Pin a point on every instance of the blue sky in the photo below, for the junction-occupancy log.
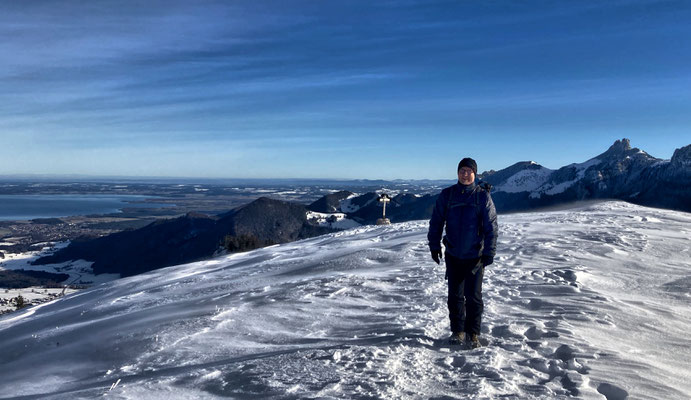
(336, 89)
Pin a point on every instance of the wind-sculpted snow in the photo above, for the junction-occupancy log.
(590, 302)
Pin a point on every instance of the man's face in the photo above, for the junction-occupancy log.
(466, 176)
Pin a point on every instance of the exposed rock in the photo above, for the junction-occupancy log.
(682, 159)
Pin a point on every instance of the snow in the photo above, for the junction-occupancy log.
(331, 220)
(590, 303)
(31, 295)
(289, 192)
(553, 189)
(347, 206)
(79, 271)
(526, 180)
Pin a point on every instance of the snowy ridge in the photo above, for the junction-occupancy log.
(347, 206)
(621, 172)
(585, 302)
(555, 188)
(525, 180)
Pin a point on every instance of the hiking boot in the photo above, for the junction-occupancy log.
(457, 338)
(474, 341)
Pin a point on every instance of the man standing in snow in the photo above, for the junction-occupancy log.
(467, 211)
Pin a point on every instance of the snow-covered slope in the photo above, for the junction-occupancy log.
(331, 220)
(590, 302)
(525, 180)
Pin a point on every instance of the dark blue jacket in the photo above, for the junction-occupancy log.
(471, 222)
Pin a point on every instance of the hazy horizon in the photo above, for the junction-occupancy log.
(200, 178)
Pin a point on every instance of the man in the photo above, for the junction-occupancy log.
(468, 212)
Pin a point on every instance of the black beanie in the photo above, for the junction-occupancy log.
(468, 162)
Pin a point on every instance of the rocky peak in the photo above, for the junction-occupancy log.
(682, 157)
(621, 151)
(618, 149)
(621, 145)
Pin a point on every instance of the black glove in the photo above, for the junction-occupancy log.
(487, 260)
(436, 255)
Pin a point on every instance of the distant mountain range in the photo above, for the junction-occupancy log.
(621, 172)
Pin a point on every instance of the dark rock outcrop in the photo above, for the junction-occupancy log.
(666, 184)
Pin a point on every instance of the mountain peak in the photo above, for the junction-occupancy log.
(618, 150)
(496, 178)
(620, 146)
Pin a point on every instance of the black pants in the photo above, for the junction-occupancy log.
(465, 294)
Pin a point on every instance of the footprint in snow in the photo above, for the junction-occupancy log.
(612, 392)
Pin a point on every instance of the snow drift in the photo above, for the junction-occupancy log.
(590, 302)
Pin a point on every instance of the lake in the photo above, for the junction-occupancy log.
(26, 207)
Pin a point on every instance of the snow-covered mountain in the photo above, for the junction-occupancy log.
(590, 302)
(520, 177)
(621, 172)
